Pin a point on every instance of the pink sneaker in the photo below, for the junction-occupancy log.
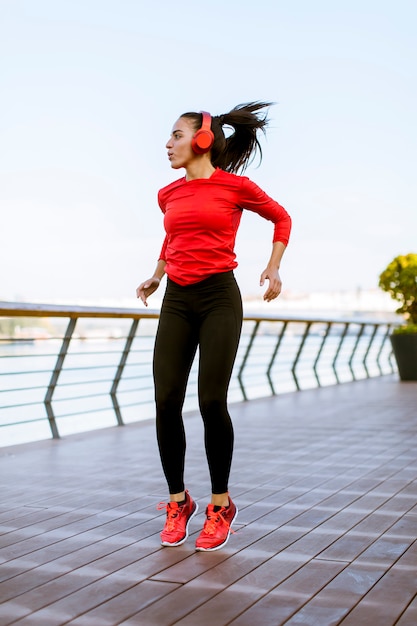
(217, 527)
(178, 517)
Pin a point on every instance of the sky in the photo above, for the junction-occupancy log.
(90, 90)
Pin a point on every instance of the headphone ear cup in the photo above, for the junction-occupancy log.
(204, 138)
(202, 141)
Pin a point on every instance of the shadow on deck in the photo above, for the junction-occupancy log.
(326, 484)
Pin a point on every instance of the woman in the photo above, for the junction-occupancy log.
(202, 304)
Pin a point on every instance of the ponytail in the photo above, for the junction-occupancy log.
(237, 151)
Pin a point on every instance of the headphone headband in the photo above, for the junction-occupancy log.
(206, 121)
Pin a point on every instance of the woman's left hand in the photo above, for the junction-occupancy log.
(275, 284)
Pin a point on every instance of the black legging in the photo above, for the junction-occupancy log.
(207, 314)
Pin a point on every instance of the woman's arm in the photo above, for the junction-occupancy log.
(255, 199)
(272, 272)
(149, 286)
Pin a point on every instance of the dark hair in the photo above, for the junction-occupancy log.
(238, 150)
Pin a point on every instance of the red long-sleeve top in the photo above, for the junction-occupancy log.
(201, 218)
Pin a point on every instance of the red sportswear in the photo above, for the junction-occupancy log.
(201, 218)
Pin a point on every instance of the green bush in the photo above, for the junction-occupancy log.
(399, 279)
(410, 329)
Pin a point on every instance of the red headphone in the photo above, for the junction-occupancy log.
(203, 139)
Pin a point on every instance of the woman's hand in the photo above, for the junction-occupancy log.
(275, 284)
(147, 288)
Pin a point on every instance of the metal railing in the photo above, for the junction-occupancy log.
(69, 369)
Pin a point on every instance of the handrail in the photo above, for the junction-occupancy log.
(13, 309)
(113, 380)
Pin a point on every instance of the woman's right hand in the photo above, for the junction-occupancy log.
(147, 288)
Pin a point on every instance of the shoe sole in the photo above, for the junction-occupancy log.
(179, 543)
(198, 549)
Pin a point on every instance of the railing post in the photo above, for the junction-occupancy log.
(297, 356)
(339, 347)
(368, 350)
(352, 356)
(378, 358)
(245, 358)
(119, 371)
(55, 375)
(274, 354)
(316, 361)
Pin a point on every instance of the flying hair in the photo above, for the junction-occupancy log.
(236, 151)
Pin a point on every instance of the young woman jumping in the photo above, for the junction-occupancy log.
(202, 305)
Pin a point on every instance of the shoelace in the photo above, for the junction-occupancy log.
(172, 513)
(213, 520)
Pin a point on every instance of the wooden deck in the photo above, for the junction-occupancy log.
(326, 484)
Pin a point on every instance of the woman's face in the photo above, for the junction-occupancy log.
(179, 148)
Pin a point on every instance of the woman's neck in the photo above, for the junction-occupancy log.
(199, 169)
